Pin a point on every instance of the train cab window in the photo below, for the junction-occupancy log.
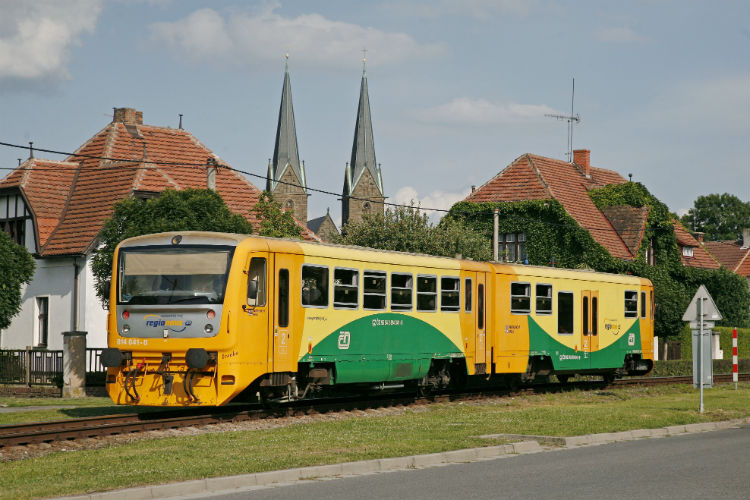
(373, 296)
(426, 293)
(345, 288)
(543, 298)
(643, 304)
(314, 286)
(256, 282)
(631, 304)
(283, 298)
(402, 288)
(467, 295)
(450, 294)
(520, 298)
(564, 313)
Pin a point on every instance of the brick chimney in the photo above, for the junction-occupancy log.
(699, 236)
(582, 158)
(128, 116)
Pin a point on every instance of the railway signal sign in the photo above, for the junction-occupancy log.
(702, 313)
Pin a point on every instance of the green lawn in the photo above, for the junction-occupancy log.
(438, 428)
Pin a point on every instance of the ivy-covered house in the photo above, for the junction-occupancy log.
(575, 215)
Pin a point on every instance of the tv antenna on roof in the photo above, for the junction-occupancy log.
(571, 119)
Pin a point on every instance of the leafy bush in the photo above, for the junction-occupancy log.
(16, 269)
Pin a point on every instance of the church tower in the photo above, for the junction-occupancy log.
(286, 175)
(363, 183)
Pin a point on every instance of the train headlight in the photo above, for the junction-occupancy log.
(125, 328)
(211, 314)
(209, 328)
(125, 314)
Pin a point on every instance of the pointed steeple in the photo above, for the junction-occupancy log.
(285, 152)
(363, 149)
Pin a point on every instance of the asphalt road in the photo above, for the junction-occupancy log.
(707, 465)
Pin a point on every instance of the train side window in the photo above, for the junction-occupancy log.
(643, 304)
(543, 298)
(283, 298)
(595, 316)
(256, 282)
(586, 326)
(631, 304)
(402, 288)
(520, 298)
(564, 313)
(480, 306)
(426, 293)
(450, 294)
(314, 286)
(345, 288)
(373, 296)
(467, 295)
(651, 295)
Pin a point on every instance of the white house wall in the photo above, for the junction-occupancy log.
(54, 278)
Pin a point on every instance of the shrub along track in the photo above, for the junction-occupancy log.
(96, 428)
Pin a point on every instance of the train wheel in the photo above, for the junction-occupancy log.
(608, 378)
(563, 379)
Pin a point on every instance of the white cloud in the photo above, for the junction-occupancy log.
(483, 10)
(36, 37)
(619, 34)
(440, 200)
(468, 111)
(262, 36)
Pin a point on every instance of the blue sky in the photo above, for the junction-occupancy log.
(458, 90)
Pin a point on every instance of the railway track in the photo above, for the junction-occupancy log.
(94, 427)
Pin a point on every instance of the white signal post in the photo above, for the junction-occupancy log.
(735, 373)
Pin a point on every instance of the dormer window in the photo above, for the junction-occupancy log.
(687, 251)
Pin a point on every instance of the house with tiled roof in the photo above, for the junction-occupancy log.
(618, 229)
(57, 208)
(733, 255)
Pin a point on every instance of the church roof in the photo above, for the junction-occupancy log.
(285, 151)
(363, 148)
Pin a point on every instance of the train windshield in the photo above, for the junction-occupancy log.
(169, 275)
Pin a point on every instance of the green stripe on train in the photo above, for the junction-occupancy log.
(382, 347)
(565, 358)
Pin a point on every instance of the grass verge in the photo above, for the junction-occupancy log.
(439, 428)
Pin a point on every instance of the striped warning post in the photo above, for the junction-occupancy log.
(735, 374)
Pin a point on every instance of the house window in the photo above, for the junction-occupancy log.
(543, 299)
(520, 298)
(374, 290)
(401, 292)
(366, 207)
(42, 309)
(687, 251)
(345, 288)
(450, 294)
(289, 205)
(16, 229)
(512, 247)
(314, 286)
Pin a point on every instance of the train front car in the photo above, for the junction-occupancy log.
(168, 322)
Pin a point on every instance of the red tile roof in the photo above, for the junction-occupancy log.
(701, 258)
(533, 177)
(731, 255)
(72, 203)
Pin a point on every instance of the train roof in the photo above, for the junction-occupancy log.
(364, 254)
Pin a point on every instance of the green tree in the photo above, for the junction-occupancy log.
(719, 216)
(16, 269)
(407, 229)
(273, 220)
(188, 210)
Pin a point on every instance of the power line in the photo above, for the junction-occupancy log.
(143, 164)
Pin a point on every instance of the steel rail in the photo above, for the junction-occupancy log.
(93, 427)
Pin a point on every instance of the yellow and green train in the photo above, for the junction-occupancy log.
(199, 318)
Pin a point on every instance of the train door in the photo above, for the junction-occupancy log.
(255, 322)
(590, 321)
(282, 358)
(480, 326)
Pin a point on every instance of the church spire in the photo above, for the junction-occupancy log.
(285, 152)
(363, 149)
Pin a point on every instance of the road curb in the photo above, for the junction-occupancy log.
(531, 444)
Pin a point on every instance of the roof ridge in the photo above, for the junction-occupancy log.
(538, 174)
